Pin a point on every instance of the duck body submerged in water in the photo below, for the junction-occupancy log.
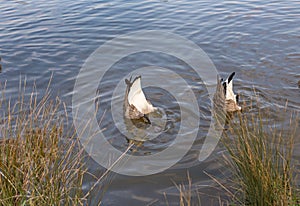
(225, 94)
(135, 103)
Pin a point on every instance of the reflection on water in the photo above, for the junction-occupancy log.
(259, 40)
(140, 130)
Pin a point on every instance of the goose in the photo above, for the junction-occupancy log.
(231, 99)
(135, 103)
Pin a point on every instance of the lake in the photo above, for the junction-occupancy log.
(259, 40)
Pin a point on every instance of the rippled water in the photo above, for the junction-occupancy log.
(259, 40)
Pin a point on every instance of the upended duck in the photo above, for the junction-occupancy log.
(135, 103)
(225, 94)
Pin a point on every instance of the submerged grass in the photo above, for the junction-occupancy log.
(260, 157)
(40, 161)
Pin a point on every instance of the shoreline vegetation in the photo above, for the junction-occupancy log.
(42, 162)
(259, 154)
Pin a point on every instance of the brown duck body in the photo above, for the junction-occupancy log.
(231, 106)
(224, 96)
(135, 104)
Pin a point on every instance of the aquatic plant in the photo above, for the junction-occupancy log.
(41, 162)
(260, 158)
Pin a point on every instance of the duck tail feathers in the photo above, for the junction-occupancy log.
(230, 77)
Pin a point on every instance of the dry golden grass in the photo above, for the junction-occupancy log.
(260, 157)
(40, 161)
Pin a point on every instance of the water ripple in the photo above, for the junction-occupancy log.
(257, 39)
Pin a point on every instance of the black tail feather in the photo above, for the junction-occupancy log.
(231, 77)
(225, 87)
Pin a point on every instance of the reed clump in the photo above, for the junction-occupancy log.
(260, 158)
(40, 161)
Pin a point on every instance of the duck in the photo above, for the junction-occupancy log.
(231, 99)
(225, 99)
(135, 103)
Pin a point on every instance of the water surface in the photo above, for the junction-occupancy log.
(258, 40)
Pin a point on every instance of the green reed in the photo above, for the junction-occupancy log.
(260, 157)
(41, 162)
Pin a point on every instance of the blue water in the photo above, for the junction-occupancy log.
(259, 40)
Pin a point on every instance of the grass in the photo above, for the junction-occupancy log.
(260, 158)
(41, 162)
(185, 192)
